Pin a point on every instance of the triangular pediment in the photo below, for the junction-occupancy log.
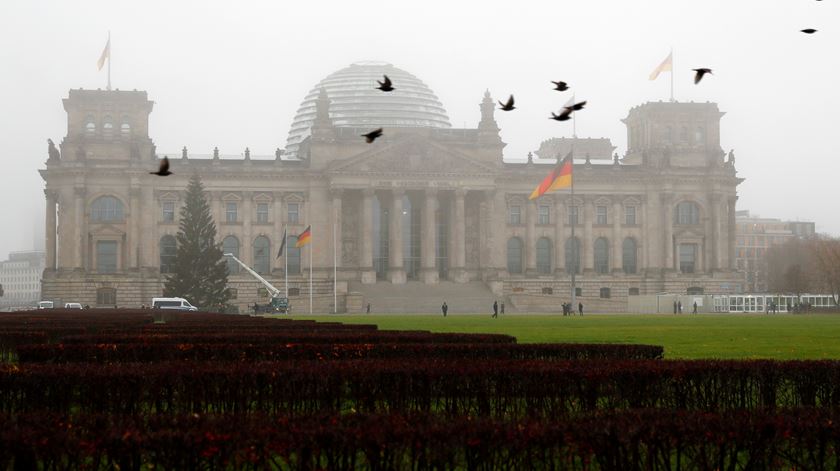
(107, 230)
(413, 155)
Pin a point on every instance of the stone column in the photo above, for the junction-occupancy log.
(459, 274)
(488, 228)
(247, 230)
(50, 227)
(335, 227)
(643, 244)
(668, 225)
(396, 271)
(133, 242)
(148, 226)
(617, 251)
(588, 253)
(368, 274)
(79, 236)
(531, 238)
(559, 236)
(731, 232)
(428, 270)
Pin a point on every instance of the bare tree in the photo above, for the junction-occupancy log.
(826, 252)
(791, 268)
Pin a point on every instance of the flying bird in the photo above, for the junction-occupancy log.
(371, 136)
(809, 31)
(508, 106)
(164, 168)
(564, 116)
(560, 86)
(386, 85)
(576, 106)
(699, 73)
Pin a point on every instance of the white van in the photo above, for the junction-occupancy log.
(45, 305)
(72, 305)
(177, 304)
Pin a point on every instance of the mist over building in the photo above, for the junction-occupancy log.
(428, 211)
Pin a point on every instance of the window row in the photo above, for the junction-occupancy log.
(111, 209)
(545, 258)
(108, 124)
(230, 244)
(544, 215)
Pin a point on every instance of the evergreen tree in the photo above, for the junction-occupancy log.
(200, 272)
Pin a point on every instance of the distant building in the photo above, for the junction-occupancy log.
(425, 204)
(20, 276)
(755, 235)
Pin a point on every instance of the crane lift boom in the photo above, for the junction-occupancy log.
(278, 303)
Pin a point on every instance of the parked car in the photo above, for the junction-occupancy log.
(177, 304)
(72, 306)
(45, 305)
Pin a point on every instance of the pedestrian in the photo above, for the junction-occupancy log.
(368, 308)
(675, 307)
(444, 308)
(695, 308)
(679, 307)
(256, 308)
(503, 307)
(495, 309)
(580, 308)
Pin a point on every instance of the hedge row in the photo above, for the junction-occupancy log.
(650, 440)
(501, 388)
(218, 352)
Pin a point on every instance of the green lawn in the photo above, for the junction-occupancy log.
(684, 336)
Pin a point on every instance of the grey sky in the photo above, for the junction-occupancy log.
(232, 74)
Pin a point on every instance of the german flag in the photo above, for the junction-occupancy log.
(559, 178)
(304, 238)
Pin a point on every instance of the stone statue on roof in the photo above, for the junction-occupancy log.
(731, 160)
(52, 151)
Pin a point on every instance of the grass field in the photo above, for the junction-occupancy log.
(684, 336)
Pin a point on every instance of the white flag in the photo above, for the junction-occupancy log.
(665, 66)
(106, 54)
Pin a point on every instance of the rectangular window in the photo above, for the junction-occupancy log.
(515, 215)
(543, 212)
(168, 211)
(633, 292)
(547, 290)
(294, 212)
(234, 293)
(573, 215)
(106, 297)
(578, 291)
(688, 255)
(230, 212)
(262, 212)
(630, 215)
(605, 293)
(106, 256)
(600, 215)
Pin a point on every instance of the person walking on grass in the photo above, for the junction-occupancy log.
(444, 308)
(495, 309)
(695, 308)
(580, 308)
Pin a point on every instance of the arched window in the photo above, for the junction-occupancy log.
(687, 213)
(262, 255)
(106, 209)
(125, 128)
(107, 126)
(544, 255)
(514, 255)
(90, 125)
(230, 244)
(669, 134)
(684, 134)
(572, 255)
(628, 255)
(167, 254)
(293, 263)
(602, 255)
(699, 136)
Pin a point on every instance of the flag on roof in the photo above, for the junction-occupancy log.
(106, 54)
(665, 66)
(559, 178)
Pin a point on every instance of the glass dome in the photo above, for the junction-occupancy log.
(355, 102)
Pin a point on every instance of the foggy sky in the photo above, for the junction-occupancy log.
(232, 74)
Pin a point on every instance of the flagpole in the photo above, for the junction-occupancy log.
(310, 276)
(672, 75)
(286, 261)
(335, 273)
(575, 247)
(574, 121)
(109, 63)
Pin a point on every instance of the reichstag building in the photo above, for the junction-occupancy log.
(427, 205)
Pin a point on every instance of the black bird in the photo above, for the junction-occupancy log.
(508, 106)
(564, 116)
(698, 76)
(560, 86)
(164, 168)
(809, 31)
(371, 136)
(576, 106)
(386, 85)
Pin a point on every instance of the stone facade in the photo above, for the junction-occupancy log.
(662, 218)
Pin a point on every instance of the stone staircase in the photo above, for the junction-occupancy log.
(418, 298)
